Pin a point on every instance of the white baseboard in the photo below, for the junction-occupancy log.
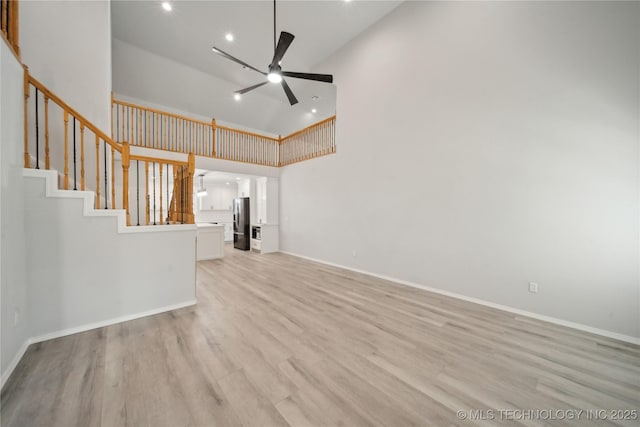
(109, 322)
(84, 328)
(561, 322)
(14, 362)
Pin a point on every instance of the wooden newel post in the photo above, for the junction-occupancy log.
(213, 137)
(279, 161)
(126, 160)
(191, 170)
(27, 161)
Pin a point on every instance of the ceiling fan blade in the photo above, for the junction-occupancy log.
(327, 78)
(290, 95)
(245, 90)
(281, 49)
(226, 55)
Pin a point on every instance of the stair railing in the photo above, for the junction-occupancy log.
(66, 136)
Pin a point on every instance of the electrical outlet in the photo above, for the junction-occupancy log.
(354, 253)
(533, 287)
(16, 317)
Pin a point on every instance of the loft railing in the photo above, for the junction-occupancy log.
(9, 23)
(151, 128)
(247, 147)
(313, 141)
(57, 137)
(160, 130)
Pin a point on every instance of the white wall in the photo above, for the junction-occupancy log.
(13, 272)
(67, 46)
(83, 271)
(481, 146)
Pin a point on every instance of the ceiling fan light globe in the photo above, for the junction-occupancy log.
(274, 77)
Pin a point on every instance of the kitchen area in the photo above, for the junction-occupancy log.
(235, 209)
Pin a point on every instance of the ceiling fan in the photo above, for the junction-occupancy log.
(275, 73)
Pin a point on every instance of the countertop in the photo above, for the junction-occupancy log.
(208, 225)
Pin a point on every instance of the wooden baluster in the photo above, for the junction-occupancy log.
(132, 133)
(146, 197)
(4, 27)
(27, 161)
(333, 136)
(66, 150)
(82, 181)
(140, 140)
(47, 158)
(213, 137)
(113, 177)
(111, 114)
(164, 133)
(11, 27)
(161, 167)
(158, 144)
(97, 172)
(124, 115)
(147, 127)
(125, 180)
(173, 133)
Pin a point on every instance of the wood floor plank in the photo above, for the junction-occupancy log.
(251, 407)
(277, 340)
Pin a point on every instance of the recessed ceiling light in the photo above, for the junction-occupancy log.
(315, 97)
(227, 183)
(237, 96)
(237, 179)
(313, 110)
(229, 37)
(166, 6)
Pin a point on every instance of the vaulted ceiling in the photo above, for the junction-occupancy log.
(187, 32)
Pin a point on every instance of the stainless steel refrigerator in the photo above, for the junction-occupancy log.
(241, 224)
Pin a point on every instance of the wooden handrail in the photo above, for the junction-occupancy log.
(296, 133)
(66, 107)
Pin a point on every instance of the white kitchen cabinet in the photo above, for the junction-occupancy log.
(209, 242)
(228, 232)
(264, 238)
(218, 197)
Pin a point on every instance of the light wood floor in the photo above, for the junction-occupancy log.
(276, 341)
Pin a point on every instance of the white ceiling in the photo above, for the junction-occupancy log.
(187, 33)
